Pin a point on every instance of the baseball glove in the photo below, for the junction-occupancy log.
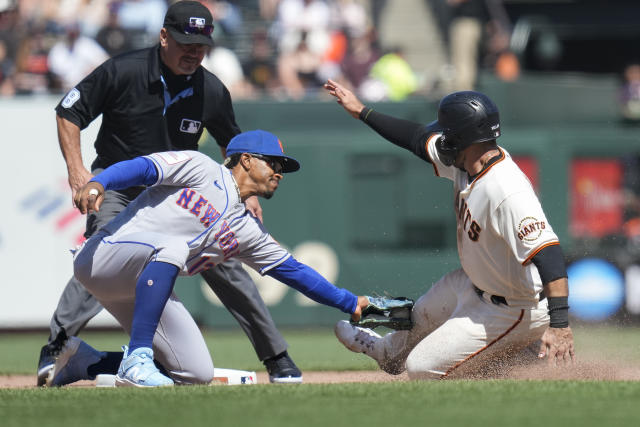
(392, 313)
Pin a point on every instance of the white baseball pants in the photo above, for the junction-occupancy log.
(459, 333)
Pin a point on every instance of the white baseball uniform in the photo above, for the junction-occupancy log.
(199, 201)
(458, 329)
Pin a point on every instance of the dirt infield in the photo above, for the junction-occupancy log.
(585, 370)
(310, 377)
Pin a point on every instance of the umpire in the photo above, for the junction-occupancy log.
(153, 100)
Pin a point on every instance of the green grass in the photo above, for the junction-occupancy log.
(494, 403)
(441, 403)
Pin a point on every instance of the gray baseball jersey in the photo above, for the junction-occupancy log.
(199, 199)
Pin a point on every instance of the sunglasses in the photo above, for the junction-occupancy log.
(205, 30)
(275, 164)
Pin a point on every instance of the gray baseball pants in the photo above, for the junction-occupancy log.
(229, 281)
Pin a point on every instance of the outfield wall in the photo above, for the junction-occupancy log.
(366, 214)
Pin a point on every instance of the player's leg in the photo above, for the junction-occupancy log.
(235, 289)
(477, 340)
(125, 282)
(178, 344)
(76, 305)
(430, 311)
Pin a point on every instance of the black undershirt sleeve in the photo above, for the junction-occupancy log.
(403, 133)
(550, 264)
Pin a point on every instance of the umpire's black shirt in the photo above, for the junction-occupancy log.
(146, 109)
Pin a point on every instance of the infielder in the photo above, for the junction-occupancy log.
(153, 100)
(191, 218)
(512, 288)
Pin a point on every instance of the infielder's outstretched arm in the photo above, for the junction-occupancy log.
(308, 281)
(69, 140)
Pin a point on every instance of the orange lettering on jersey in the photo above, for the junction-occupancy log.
(474, 231)
(465, 218)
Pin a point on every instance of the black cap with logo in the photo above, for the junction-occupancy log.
(189, 22)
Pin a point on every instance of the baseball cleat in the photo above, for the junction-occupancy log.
(356, 339)
(282, 370)
(48, 354)
(72, 363)
(138, 370)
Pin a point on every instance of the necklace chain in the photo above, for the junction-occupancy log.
(235, 184)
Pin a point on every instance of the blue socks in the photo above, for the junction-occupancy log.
(153, 289)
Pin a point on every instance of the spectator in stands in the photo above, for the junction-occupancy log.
(7, 68)
(362, 53)
(32, 72)
(142, 18)
(396, 74)
(74, 57)
(260, 67)
(302, 23)
(630, 94)
(461, 23)
(112, 37)
(225, 65)
(298, 70)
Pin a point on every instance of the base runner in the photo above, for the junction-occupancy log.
(512, 288)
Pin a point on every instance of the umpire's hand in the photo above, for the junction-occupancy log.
(89, 198)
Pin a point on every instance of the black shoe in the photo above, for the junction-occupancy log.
(282, 370)
(48, 355)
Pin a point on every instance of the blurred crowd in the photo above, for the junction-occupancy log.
(278, 48)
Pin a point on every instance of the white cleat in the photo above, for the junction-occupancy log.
(364, 340)
(138, 370)
(356, 339)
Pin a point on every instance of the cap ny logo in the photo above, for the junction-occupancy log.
(190, 126)
(197, 22)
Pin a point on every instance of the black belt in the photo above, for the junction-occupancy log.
(497, 299)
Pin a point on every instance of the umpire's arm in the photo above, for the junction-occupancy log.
(69, 140)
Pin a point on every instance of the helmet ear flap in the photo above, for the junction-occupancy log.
(447, 151)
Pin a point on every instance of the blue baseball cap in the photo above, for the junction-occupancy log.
(264, 143)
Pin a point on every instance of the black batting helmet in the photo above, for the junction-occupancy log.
(465, 118)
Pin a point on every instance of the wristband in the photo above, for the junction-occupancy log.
(365, 113)
(558, 312)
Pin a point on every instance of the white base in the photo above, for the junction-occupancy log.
(221, 376)
(233, 377)
(105, 380)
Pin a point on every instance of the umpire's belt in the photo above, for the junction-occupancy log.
(497, 299)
